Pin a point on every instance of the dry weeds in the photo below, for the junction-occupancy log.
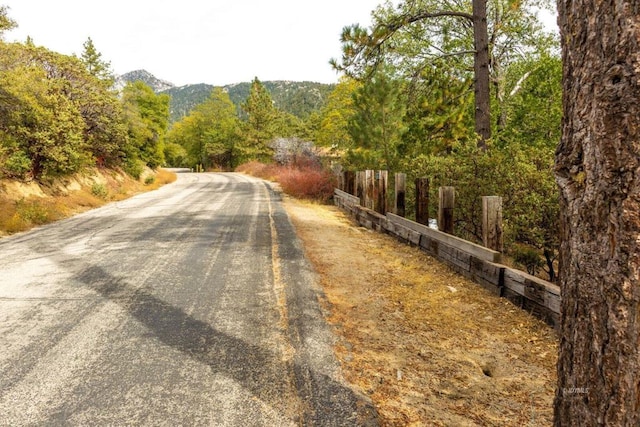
(428, 346)
(26, 205)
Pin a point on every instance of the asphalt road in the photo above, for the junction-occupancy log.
(190, 305)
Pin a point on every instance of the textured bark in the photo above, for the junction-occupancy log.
(598, 171)
(481, 72)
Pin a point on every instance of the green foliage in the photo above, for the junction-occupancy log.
(533, 108)
(439, 112)
(134, 167)
(522, 176)
(56, 117)
(377, 126)
(32, 212)
(6, 23)
(147, 116)
(209, 135)
(300, 99)
(527, 257)
(333, 129)
(17, 165)
(260, 127)
(175, 154)
(45, 124)
(96, 66)
(100, 190)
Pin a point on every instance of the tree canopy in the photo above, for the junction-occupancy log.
(58, 115)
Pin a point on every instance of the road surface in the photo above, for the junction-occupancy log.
(190, 305)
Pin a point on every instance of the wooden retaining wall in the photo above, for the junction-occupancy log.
(480, 264)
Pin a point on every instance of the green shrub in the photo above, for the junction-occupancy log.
(134, 167)
(32, 212)
(527, 257)
(149, 180)
(17, 165)
(99, 190)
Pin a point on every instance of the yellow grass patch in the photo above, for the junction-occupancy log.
(427, 345)
(26, 205)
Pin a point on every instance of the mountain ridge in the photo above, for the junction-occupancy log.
(294, 97)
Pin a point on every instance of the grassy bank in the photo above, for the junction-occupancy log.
(24, 205)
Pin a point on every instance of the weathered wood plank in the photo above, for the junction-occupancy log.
(400, 184)
(488, 274)
(492, 236)
(346, 198)
(422, 200)
(446, 207)
(461, 244)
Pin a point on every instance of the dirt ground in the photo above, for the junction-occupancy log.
(427, 345)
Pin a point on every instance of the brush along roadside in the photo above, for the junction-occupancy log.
(24, 205)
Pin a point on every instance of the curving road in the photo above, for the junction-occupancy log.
(190, 305)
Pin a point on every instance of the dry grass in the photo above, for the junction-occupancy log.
(21, 211)
(428, 346)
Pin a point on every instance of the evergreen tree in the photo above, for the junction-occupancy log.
(377, 124)
(97, 67)
(260, 127)
(335, 116)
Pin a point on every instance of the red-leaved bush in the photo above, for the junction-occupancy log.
(302, 182)
(307, 183)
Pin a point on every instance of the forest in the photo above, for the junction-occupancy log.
(407, 102)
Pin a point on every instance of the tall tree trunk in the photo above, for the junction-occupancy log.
(598, 171)
(481, 72)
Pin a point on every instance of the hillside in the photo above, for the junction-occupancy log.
(297, 98)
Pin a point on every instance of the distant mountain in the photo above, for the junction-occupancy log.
(146, 77)
(297, 98)
(184, 98)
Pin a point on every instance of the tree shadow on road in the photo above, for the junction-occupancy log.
(327, 402)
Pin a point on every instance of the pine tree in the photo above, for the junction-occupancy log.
(260, 128)
(92, 59)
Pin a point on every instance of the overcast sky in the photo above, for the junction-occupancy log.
(197, 41)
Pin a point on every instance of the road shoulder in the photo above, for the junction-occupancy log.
(428, 346)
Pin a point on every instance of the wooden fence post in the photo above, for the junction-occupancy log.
(422, 201)
(360, 186)
(400, 193)
(445, 209)
(492, 223)
(383, 182)
(369, 189)
(349, 185)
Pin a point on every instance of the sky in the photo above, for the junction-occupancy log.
(197, 41)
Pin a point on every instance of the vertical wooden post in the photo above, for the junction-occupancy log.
(341, 180)
(349, 186)
(400, 190)
(492, 223)
(369, 189)
(445, 209)
(422, 201)
(376, 191)
(383, 182)
(360, 186)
